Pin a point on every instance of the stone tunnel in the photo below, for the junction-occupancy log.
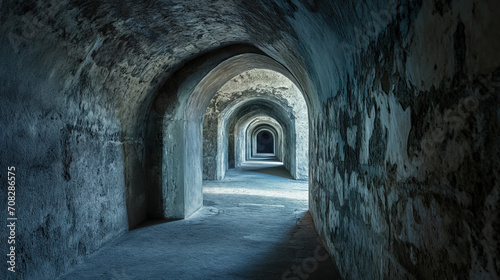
(124, 120)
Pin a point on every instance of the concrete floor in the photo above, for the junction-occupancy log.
(254, 225)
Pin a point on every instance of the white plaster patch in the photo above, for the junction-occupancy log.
(364, 152)
(346, 185)
(397, 124)
(351, 136)
(339, 187)
(354, 182)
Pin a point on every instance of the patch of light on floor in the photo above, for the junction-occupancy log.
(261, 162)
(262, 205)
(297, 194)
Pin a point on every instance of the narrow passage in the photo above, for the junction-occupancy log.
(254, 225)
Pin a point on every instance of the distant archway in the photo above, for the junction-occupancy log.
(265, 142)
(264, 138)
(257, 91)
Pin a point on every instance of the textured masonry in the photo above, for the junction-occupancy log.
(102, 102)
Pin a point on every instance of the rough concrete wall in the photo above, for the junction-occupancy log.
(76, 83)
(64, 141)
(404, 107)
(211, 130)
(69, 159)
(404, 151)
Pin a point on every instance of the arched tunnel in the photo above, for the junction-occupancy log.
(265, 142)
(280, 139)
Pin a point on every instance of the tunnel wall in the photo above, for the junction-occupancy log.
(404, 155)
(65, 143)
(77, 82)
(403, 100)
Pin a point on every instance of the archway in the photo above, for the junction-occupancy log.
(258, 91)
(243, 137)
(266, 145)
(265, 142)
(176, 176)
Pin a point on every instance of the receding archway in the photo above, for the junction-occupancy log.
(265, 142)
(245, 128)
(278, 97)
(176, 175)
(266, 146)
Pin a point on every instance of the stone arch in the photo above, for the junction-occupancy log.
(243, 139)
(256, 85)
(264, 139)
(272, 126)
(176, 156)
(228, 141)
(245, 115)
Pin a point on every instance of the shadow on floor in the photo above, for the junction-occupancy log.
(252, 227)
(302, 256)
(153, 222)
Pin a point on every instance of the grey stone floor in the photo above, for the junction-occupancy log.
(254, 225)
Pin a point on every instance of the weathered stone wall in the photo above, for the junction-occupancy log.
(64, 141)
(403, 103)
(404, 152)
(77, 80)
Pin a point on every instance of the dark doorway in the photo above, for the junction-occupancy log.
(265, 142)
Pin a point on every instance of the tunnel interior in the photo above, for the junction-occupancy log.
(265, 142)
(247, 101)
(116, 113)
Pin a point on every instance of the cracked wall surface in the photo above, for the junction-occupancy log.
(410, 188)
